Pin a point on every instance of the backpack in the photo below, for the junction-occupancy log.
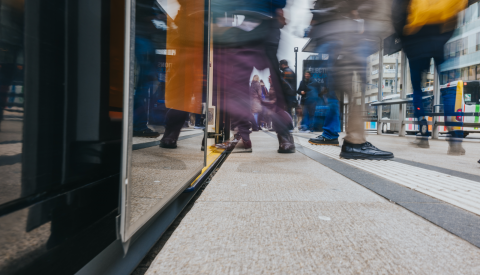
(431, 12)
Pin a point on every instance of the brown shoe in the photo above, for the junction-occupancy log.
(246, 148)
(228, 146)
(285, 143)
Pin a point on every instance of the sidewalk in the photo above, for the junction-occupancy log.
(270, 213)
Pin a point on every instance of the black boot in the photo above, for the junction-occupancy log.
(321, 140)
(363, 151)
(286, 143)
(169, 139)
(146, 133)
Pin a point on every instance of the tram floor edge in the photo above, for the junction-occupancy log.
(112, 259)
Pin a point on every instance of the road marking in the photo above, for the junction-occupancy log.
(454, 190)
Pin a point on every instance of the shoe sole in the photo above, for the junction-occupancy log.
(286, 151)
(242, 151)
(168, 147)
(427, 146)
(328, 144)
(362, 156)
(146, 136)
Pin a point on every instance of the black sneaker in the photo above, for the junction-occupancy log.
(321, 140)
(363, 151)
(147, 133)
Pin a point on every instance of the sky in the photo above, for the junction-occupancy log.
(298, 17)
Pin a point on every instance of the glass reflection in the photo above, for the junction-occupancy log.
(169, 88)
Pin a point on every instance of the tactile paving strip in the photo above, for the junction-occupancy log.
(454, 190)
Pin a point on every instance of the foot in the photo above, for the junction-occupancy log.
(247, 147)
(321, 140)
(421, 142)
(455, 149)
(363, 151)
(286, 144)
(147, 133)
(168, 143)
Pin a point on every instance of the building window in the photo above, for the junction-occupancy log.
(458, 47)
(478, 39)
(472, 72)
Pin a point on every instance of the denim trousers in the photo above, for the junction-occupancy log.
(331, 126)
(308, 119)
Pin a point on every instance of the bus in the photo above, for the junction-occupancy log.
(467, 100)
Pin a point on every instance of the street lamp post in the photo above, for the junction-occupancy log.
(296, 51)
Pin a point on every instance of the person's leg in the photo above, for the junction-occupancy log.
(281, 119)
(174, 121)
(198, 120)
(417, 66)
(305, 121)
(332, 121)
(239, 64)
(254, 121)
(311, 115)
(331, 127)
(353, 60)
(143, 53)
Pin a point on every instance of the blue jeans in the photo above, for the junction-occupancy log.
(449, 96)
(144, 53)
(417, 66)
(255, 115)
(331, 127)
(308, 119)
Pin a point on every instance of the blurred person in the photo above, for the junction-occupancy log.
(308, 105)
(424, 28)
(264, 115)
(144, 54)
(331, 125)
(199, 121)
(270, 101)
(254, 43)
(289, 77)
(256, 96)
(184, 83)
(346, 31)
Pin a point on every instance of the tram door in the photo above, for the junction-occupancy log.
(165, 95)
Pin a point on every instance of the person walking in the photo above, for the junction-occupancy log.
(245, 48)
(424, 28)
(288, 75)
(345, 32)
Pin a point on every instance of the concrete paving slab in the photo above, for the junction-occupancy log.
(311, 220)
